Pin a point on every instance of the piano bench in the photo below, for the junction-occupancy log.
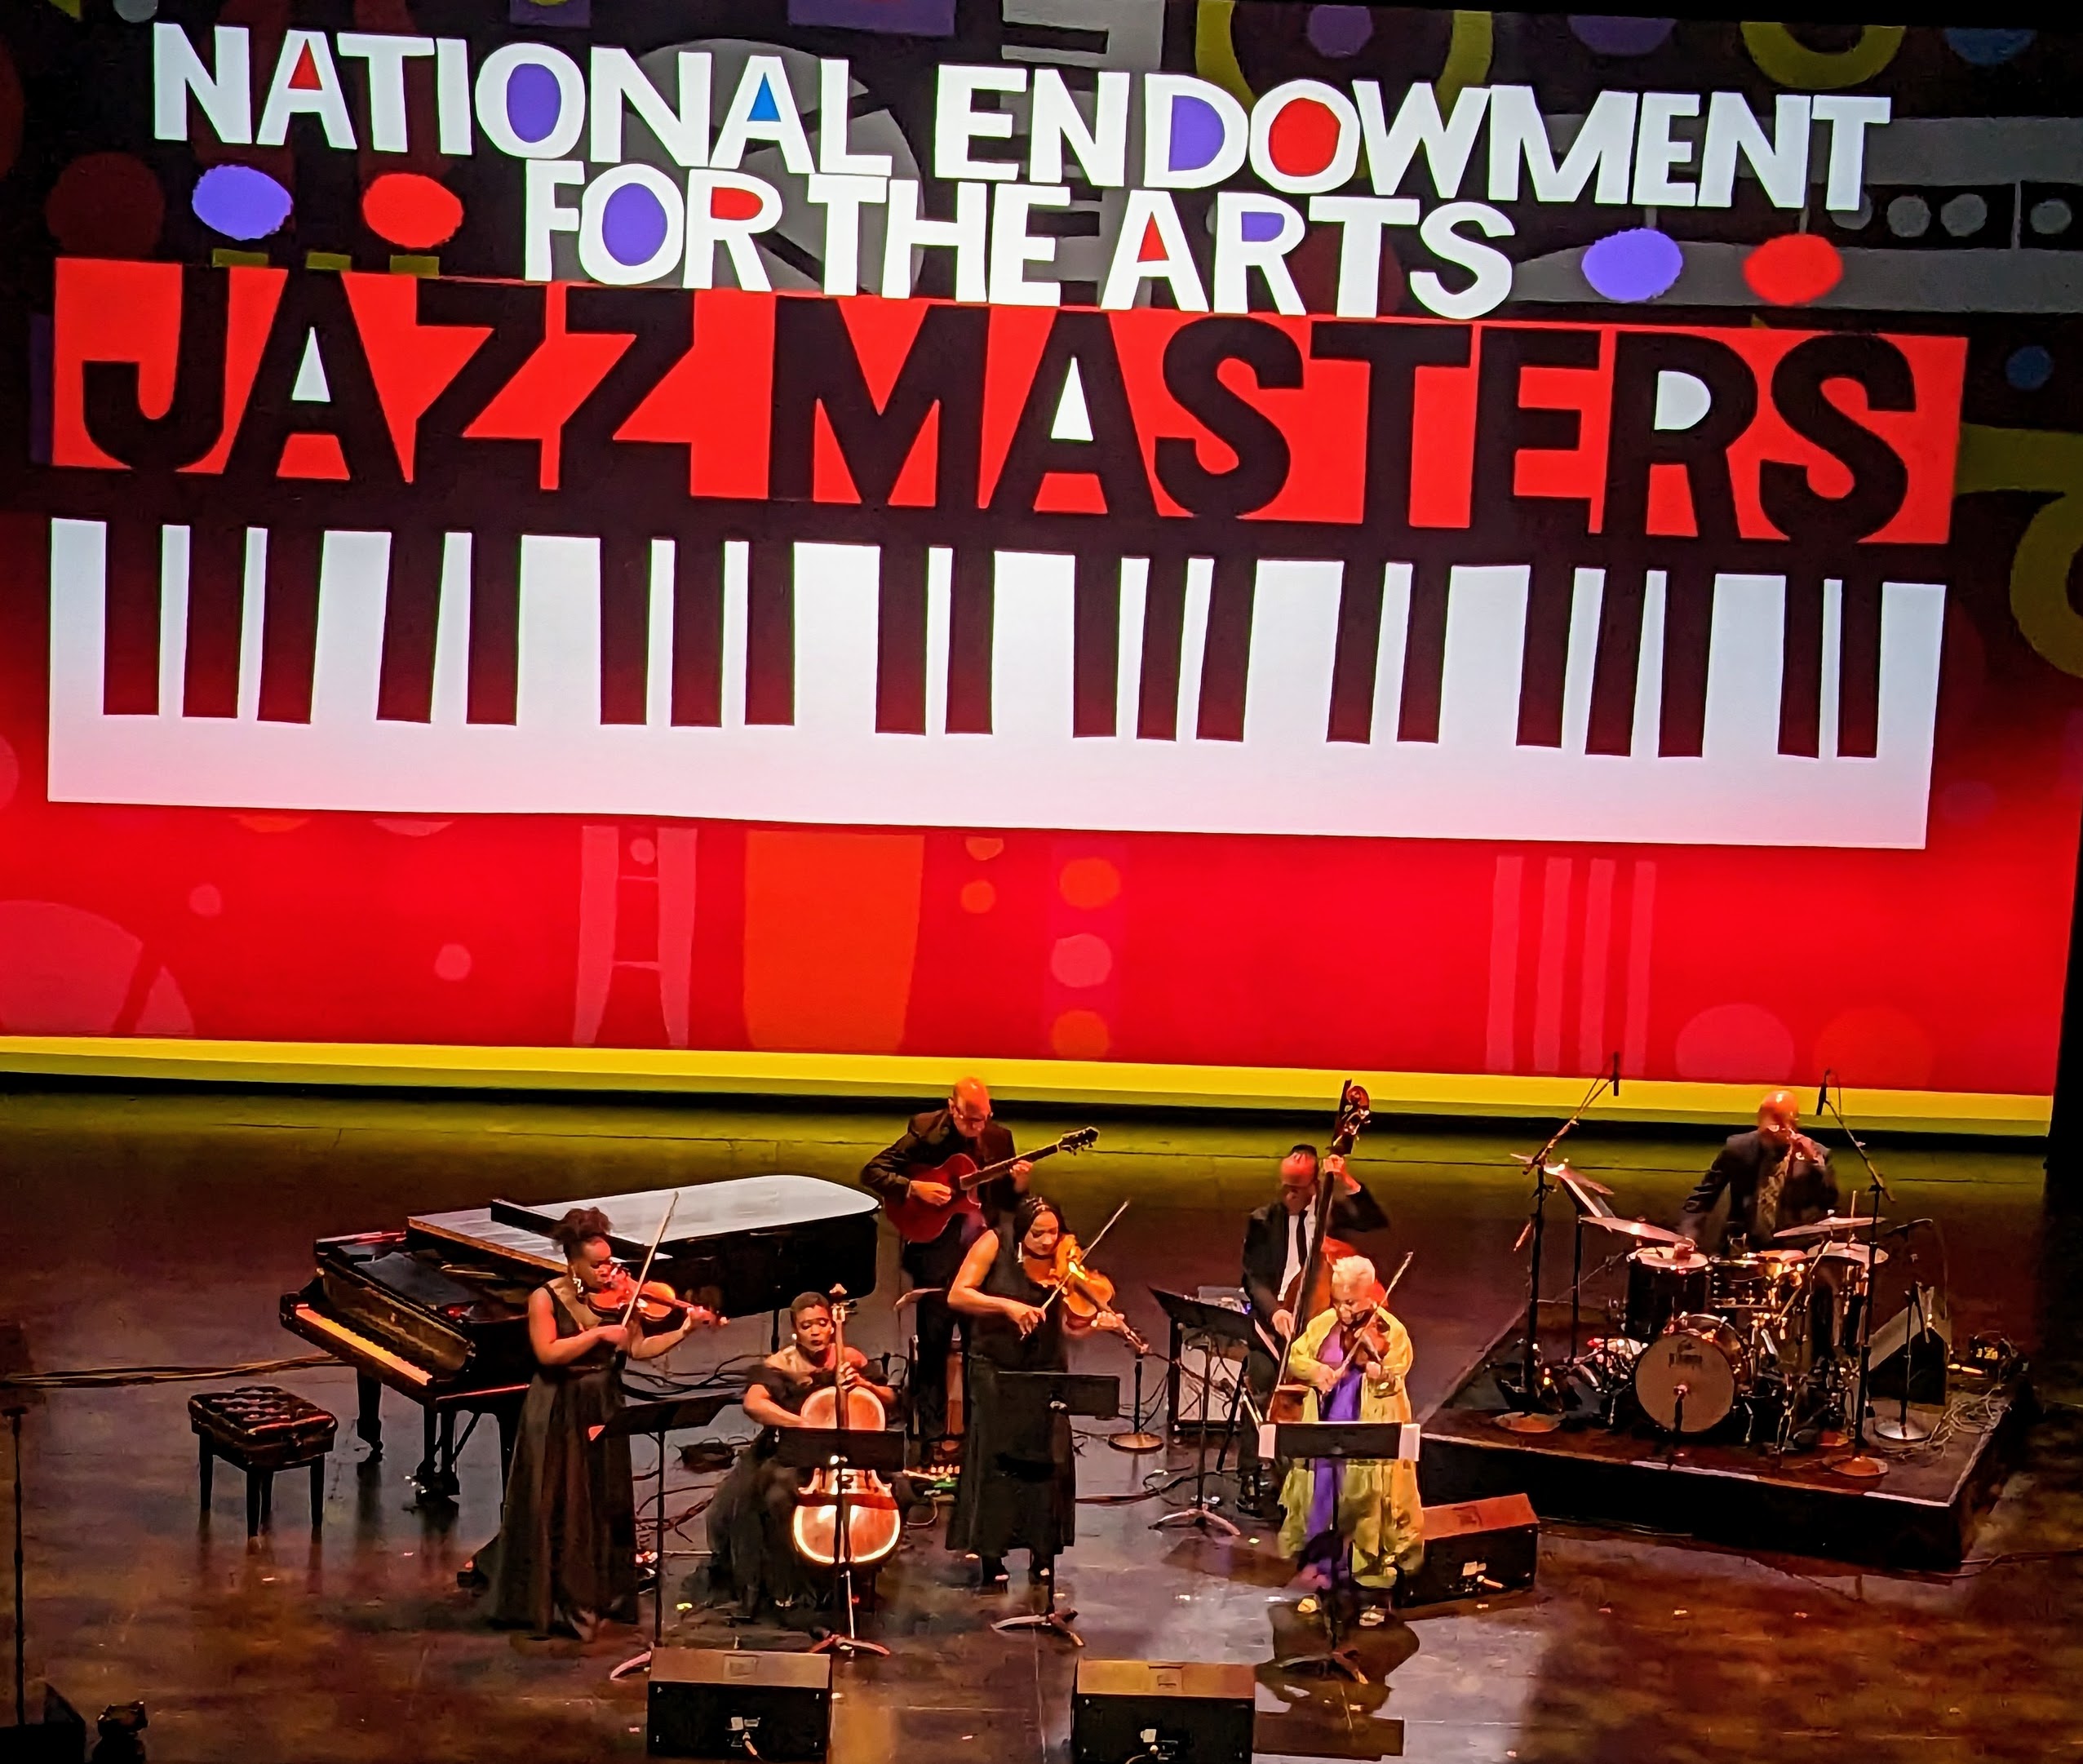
(262, 1429)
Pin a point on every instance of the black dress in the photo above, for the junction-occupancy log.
(567, 1539)
(752, 1551)
(1018, 1488)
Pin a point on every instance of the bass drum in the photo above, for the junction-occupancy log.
(1687, 1380)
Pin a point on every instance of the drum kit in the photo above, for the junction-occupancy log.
(1760, 1337)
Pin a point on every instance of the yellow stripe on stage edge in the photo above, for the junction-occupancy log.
(1092, 1081)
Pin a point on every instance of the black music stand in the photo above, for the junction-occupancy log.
(658, 1420)
(1197, 1318)
(841, 1449)
(1368, 1441)
(1033, 1401)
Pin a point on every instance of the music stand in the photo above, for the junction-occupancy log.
(658, 1420)
(1033, 1401)
(1342, 1442)
(1193, 1317)
(842, 1449)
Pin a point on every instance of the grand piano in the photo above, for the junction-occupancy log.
(438, 1311)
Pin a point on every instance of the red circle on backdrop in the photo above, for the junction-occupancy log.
(1303, 138)
(105, 205)
(728, 202)
(1793, 269)
(411, 209)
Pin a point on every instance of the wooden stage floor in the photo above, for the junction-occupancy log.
(159, 1229)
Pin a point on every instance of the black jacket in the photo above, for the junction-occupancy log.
(1740, 1169)
(930, 1141)
(1265, 1242)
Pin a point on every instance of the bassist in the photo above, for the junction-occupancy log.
(964, 1126)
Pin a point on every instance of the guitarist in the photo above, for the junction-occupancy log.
(1275, 1236)
(965, 1125)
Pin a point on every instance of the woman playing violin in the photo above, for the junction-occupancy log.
(754, 1557)
(1018, 1488)
(565, 1556)
(1360, 1522)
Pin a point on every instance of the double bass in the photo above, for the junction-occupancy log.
(873, 1522)
(1309, 1291)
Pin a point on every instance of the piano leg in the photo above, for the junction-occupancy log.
(435, 1478)
(369, 1413)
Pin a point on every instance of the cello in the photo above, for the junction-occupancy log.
(873, 1522)
(1309, 1291)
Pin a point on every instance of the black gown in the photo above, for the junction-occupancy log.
(1018, 1488)
(752, 1552)
(567, 1539)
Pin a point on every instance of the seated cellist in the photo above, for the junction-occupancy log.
(1356, 1524)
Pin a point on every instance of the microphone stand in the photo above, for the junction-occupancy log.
(1530, 1398)
(1862, 1464)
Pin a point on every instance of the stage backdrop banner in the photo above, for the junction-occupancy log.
(1171, 549)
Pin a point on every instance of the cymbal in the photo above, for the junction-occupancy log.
(1830, 1226)
(1636, 1228)
(1855, 1252)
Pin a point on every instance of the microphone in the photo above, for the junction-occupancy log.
(1823, 1092)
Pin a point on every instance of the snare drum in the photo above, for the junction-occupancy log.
(1664, 1284)
(1688, 1379)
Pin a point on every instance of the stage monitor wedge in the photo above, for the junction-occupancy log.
(733, 1703)
(1183, 1713)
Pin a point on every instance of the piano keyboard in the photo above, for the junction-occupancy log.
(431, 672)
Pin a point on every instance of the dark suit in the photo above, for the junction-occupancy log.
(1265, 1259)
(928, 1141)
(1742, 1169)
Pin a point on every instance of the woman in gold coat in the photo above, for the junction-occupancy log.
(1358, 1522)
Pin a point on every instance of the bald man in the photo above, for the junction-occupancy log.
(1774, 1176)
(964, 1125)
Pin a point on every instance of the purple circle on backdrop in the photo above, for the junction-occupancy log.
(1196, 134)
(1338, 31)
(1637, 264)
(239, 201)
(534, 101)
(1609, 35)
(633, 225)
(1259, 226)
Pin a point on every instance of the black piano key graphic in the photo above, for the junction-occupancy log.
(1618, 662)
(900, 640)
(216, 604)
(770, 632)
(1164, 618)
(1358, 652)
(412, 615)
(495, 669)
(1225, 659)
(289, 624)
(1095, 643)
(1858, 670)
(130, 666)
(1544, 660)
(1688, 631)
(1425, 654)
(698, 634)
(970, 614)
(1801, 668)
(625, 626)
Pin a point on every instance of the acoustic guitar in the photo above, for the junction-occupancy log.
(918, 1223)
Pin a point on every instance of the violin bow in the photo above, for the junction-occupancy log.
(650, 1255)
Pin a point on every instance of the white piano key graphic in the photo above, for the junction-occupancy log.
(1393, 645)
(658, 634)
(354, 570)
(1486, 645)
(830, 766)
(559, 643)
(940, 612)
(1826, 744)
(175, 560)
(1745, 667)
(1580, 668)
(253, 614)
(1128, 680)
(1294, 646)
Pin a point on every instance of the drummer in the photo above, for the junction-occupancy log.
(1774, 1176)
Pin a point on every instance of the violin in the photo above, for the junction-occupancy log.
(1087, 1295)
(873, 1522)
(1367, 1341)
(650, 1303)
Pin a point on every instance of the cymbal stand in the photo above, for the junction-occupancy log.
(1862, 1464)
